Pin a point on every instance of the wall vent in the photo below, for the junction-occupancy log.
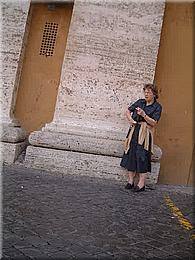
(48, 39)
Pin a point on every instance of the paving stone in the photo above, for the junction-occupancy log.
(16, 258)
(32, 252)
(12, 252)
(87, 218)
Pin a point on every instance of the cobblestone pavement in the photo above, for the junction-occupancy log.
(46, 216)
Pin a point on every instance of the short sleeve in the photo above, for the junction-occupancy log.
(134, 105)
(157, 113)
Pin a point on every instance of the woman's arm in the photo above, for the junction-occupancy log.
(148, 119)
(129, 117)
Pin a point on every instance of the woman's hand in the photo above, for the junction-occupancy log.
(132, 122)
(148, 119)
(140, 112)
(130, 119)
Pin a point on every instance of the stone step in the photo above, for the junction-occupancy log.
(84, 143)
(70, 162)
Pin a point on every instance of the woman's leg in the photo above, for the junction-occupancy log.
(131, 176)
(142, 178)
(130, 181)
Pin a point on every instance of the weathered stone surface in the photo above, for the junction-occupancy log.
(93, 128)
(14, 23)
(12, 134)
(69, 162)
(152, 177)
(157, 153)
(76, 142)
(11, 151)
(105, 143)
(73, 162)
(111, 51)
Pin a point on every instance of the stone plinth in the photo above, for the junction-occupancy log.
(13, 142)
(11, 151)
(111, 52)
(104, 144)
(97, 156)
(71, 162)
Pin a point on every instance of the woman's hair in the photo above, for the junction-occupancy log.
(153, 88)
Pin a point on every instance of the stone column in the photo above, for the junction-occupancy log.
(14, 23)
(111, 52)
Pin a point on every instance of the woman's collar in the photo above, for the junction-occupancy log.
(150, 103)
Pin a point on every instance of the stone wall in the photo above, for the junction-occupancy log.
(13, 23)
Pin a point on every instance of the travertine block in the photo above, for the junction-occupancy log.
(104, 143)
(69, 162)
(11, 151)
(14, 23)
(12, 134)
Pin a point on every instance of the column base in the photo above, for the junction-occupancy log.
(13, 142)
(63, 162)
(82, 153)
(11, 151)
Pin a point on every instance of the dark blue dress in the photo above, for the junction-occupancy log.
(137, 159)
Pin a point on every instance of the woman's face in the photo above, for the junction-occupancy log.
(149, 96)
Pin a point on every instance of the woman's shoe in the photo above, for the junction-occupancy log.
(129, 186)
(138, 189)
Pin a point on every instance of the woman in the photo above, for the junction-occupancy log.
(143, 116)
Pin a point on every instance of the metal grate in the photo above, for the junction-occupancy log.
(48, 39)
